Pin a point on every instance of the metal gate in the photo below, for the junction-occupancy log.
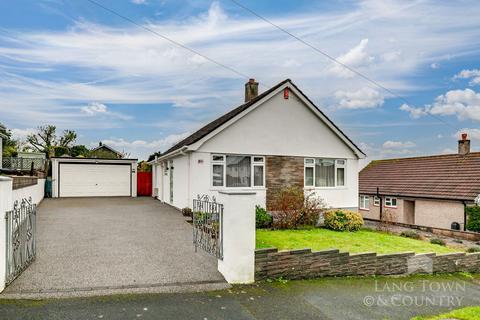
(208, 225)
(21, 237)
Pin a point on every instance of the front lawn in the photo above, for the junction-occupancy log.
(355, 242)
(469, 313)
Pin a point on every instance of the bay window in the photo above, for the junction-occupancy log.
(324, 172)
(238, 171)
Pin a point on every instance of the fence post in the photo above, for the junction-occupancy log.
(6, 190)
(238, 264)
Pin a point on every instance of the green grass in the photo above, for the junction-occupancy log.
(469, 313)
(355, 242)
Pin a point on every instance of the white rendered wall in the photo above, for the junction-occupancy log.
(180, 182)
(6, 204)
(238, 264)
(284, 127)
(341, 197)
(37, 192)
(201, 180)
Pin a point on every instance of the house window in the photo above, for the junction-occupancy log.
(365, 202)
(390, 202)
(235, 171)
(376, 201)
(324, 172)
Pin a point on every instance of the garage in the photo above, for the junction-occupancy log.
(82, 177)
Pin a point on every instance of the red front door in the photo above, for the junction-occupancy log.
(144, 184)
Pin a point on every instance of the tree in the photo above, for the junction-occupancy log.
(10, 146)
(79, 151)
(45, 140)
(152, 156)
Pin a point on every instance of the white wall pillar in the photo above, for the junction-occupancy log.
(6, 185)
(238, 264)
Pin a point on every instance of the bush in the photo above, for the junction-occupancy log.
(473, 218)
(473, 249)
(262, 218)
(343, 220)
(438, 241)
(410, 234)
(292, 209)
(187, 212)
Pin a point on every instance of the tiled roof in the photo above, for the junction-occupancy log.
(452, 176)
(202, 132)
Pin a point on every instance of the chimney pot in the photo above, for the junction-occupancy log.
(464, 145)
(251, 89)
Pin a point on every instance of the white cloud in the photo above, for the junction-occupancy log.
(355, 57)
(21, 134)
(139, 1)
(142, 148)
(99, 109)
(464, 104)
(94, 108)
(397, 152)
(389, 144)
(415, 113)
(124, 64)
(439, 136)
(448, 151)
(473, 74)
(364, 98)
(434, 65)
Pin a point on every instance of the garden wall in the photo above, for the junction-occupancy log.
(305, 264)
(465, 235)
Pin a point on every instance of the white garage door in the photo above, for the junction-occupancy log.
(94, 180)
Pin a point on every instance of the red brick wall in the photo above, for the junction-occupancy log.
(280, 172)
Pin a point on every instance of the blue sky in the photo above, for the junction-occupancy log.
(71, 64)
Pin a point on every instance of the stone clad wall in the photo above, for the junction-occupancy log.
(305, 264)
(282, 171)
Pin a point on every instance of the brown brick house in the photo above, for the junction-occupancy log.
(427, 191)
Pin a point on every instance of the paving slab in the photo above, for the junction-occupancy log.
(112, 244)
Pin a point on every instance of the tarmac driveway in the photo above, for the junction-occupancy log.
(103, 245)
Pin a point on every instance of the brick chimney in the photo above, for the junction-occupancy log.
(464, 145)
(251, 90)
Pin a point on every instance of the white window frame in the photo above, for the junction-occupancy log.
(310, 163)
(389, 202)
(376, 201)
(223, 162)
(364, 200)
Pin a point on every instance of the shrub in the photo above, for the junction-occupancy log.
(187, 212)
(292, 209)
(473, 249)
(473, 218)
(343, 220)
(438, 241)
(410, 234)
(262, 218)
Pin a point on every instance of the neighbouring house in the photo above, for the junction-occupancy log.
(275, 139)
(427, 191)
(105, 152)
